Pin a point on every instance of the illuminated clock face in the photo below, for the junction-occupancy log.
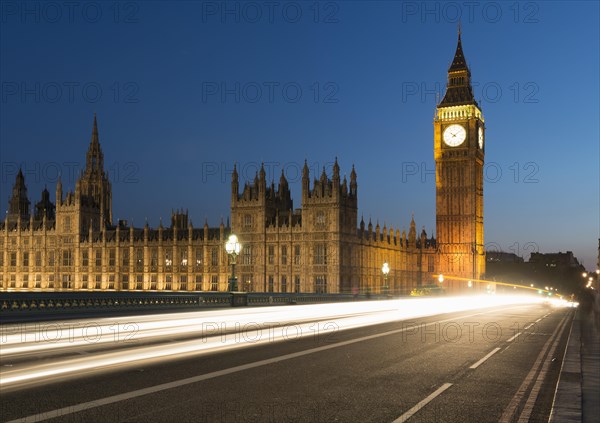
(481, 138)
(454, 135)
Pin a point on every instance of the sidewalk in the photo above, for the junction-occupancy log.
(578, 390)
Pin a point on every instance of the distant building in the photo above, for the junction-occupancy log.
(543, 269)
(507, 267)
(560, 261)
(502, 257)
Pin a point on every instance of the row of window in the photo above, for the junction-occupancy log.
(320, 220)
(182, 259)
(283, 284)
(283, 255)
(66, 282)
(320, 284)
(320, 257)
(96, 259)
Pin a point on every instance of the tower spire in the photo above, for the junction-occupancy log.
(459, 62)
(93, 186)
(235, 185)
(262, 179)
(458, 90)
(353, 184)
(18, 204)
(95, 131)
(94, 157)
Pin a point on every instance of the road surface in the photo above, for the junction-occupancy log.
(489, 364)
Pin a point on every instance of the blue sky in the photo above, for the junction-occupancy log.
(184, 89)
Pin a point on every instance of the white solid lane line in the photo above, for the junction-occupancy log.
(404, 417)
(491, 353)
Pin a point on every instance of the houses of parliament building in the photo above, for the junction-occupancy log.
(74, 244)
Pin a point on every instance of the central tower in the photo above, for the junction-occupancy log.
(94, 188)
(459, 136)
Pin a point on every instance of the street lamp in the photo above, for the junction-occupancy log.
(233, 248)
(441, 279)
(386, 270)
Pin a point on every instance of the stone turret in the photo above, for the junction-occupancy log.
(412, 233)
(44, 207)
(235, 184)
(18, 204)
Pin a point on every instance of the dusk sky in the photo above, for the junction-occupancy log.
(182, 90)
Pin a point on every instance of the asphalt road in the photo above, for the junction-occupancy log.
(496, 364)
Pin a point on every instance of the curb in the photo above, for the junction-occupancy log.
(590, 365)
(567, 403)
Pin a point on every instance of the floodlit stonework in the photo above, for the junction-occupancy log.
(459, 151)
(321, 247)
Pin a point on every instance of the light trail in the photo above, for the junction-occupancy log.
(37, 337)
(493, 282)
(211, 332)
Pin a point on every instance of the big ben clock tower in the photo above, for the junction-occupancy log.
(459, 147)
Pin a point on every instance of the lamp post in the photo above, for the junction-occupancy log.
(385, 269)
(233, 248)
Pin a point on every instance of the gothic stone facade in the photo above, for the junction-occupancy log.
(74, 244)
(459, 151)
(319, 247)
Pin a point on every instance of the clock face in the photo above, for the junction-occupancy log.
(454, 135)
(481, 138)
